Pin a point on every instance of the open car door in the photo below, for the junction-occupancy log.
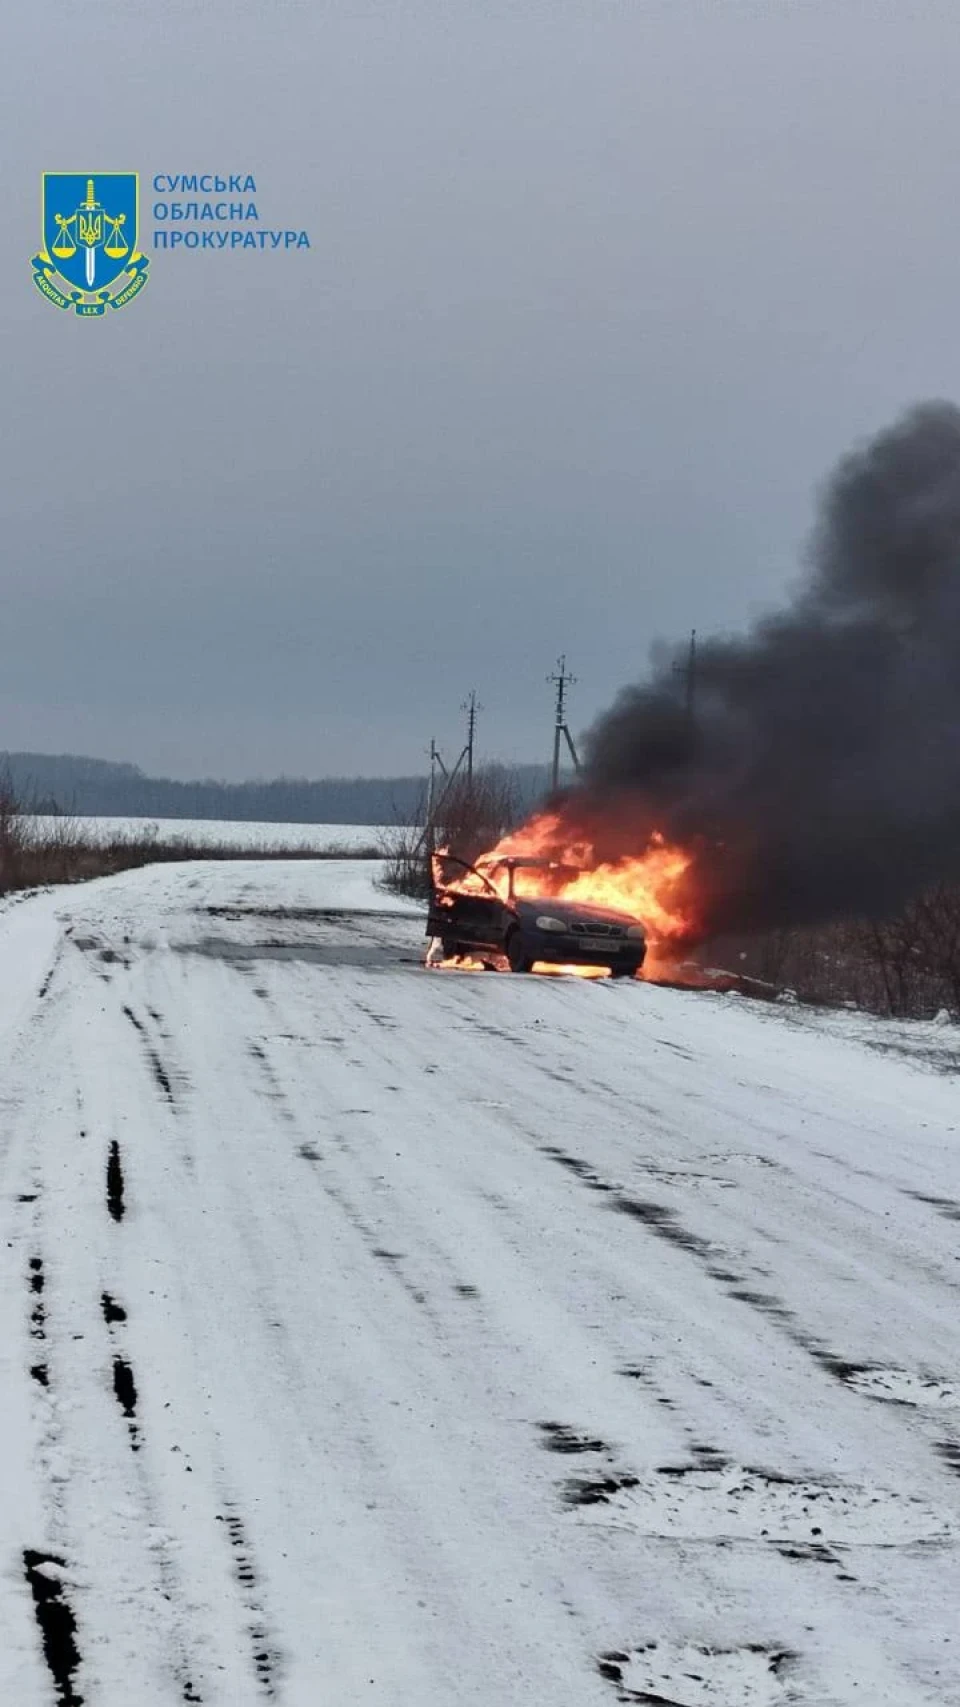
(465, 922)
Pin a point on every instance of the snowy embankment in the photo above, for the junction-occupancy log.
(216, 832)
(380, 1336)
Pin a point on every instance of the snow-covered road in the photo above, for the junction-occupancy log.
(378, 1336)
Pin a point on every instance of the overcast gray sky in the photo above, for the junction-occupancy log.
(596, 295)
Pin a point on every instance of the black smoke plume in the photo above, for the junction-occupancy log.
(819, 774)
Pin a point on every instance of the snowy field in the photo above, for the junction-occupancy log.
(216, 832)
(400, 1338)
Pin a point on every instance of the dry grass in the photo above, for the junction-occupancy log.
(36, 853)
(907, 967)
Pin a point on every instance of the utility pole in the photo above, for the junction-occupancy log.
(689, 673)
(562, 680)
(436, 763)
(435, 796)
(471, 707)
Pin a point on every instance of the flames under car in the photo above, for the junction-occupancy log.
(506, 912)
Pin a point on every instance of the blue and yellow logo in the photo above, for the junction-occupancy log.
(89, 260)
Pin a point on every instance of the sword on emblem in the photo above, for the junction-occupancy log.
(90, 215)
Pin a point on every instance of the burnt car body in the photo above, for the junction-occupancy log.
(492, 921)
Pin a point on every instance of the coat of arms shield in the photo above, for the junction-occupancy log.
(90, 230)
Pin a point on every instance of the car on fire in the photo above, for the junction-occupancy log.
(504, 912)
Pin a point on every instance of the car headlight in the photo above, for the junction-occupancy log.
(637, 932)
(545, 923)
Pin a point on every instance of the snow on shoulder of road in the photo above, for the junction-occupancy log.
(29, 934)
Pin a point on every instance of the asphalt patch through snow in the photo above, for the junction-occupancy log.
(597, 1490)
(125, 1389)
(38, 1320)
(58, 1626)
(559, 1437)
(115, 1182)
(124, 1384)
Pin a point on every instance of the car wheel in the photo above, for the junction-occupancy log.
(516, 954)
(626, 971)
(449, 947)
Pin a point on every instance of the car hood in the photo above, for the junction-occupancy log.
(569, 911)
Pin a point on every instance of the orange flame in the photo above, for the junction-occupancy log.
(650, 886)
(545, 968)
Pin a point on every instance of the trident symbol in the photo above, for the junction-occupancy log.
(91, 221)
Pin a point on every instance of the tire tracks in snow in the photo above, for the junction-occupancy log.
(264, 1656)
(348, 1350)
(46, 1572)
(62, 1573)
(322, 1161)
(161, 1077)
(169, 1081)
(665, 1222)
(605, 1487)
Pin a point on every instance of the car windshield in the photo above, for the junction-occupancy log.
(556, 869)
(552, 871)
(529, 879)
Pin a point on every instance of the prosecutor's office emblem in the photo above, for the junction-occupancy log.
(89, 260)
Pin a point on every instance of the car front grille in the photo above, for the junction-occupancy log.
(584, 927)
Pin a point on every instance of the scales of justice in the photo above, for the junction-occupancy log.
(90, 228)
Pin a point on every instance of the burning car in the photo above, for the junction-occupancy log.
(513, 909)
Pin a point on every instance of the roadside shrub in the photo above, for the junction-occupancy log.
(11, 838)
(469, 816)
(905, 967)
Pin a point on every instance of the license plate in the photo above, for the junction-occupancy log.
(598, 945)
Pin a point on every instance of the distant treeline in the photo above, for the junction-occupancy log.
(100, 788)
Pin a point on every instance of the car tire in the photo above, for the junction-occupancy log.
(448, 947)
(626, 971)
(519, 960)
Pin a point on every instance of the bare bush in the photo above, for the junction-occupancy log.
(469, 816)
(918, 954)
(906, 967)
(11, 838)
(474, 812)
(404, 851)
